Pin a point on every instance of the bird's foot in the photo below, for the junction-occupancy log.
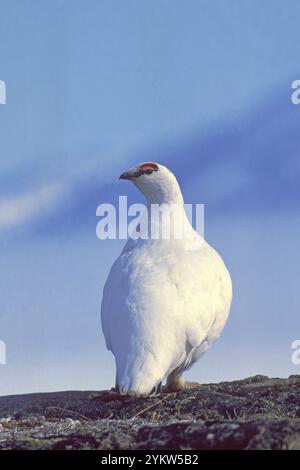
(106, 395)
(191, 386)
(181, 385)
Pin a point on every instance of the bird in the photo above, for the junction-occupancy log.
(166, 299)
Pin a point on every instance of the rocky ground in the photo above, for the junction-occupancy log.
(255, 413)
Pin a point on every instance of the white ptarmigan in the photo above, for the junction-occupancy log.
(164, 304)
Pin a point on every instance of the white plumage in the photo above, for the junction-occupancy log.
(164, 304)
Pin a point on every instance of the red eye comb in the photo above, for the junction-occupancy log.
(148, 166)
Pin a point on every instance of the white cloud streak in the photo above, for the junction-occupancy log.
(19, 210)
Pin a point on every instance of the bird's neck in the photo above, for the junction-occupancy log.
(169, 196)
(166, 214)
(167, 218)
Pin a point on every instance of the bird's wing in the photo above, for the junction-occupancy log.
(207, 298)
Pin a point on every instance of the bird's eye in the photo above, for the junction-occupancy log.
(148, 172)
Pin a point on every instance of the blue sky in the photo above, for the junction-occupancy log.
(94, 87)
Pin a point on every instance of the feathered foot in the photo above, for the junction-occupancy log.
(177, 384)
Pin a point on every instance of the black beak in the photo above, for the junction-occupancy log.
(125, 176)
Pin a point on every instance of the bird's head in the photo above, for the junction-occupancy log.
(156, 182)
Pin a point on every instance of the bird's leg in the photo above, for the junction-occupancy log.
(176, 383)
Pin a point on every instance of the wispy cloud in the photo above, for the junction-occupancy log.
(235, 166)
(24, 208)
